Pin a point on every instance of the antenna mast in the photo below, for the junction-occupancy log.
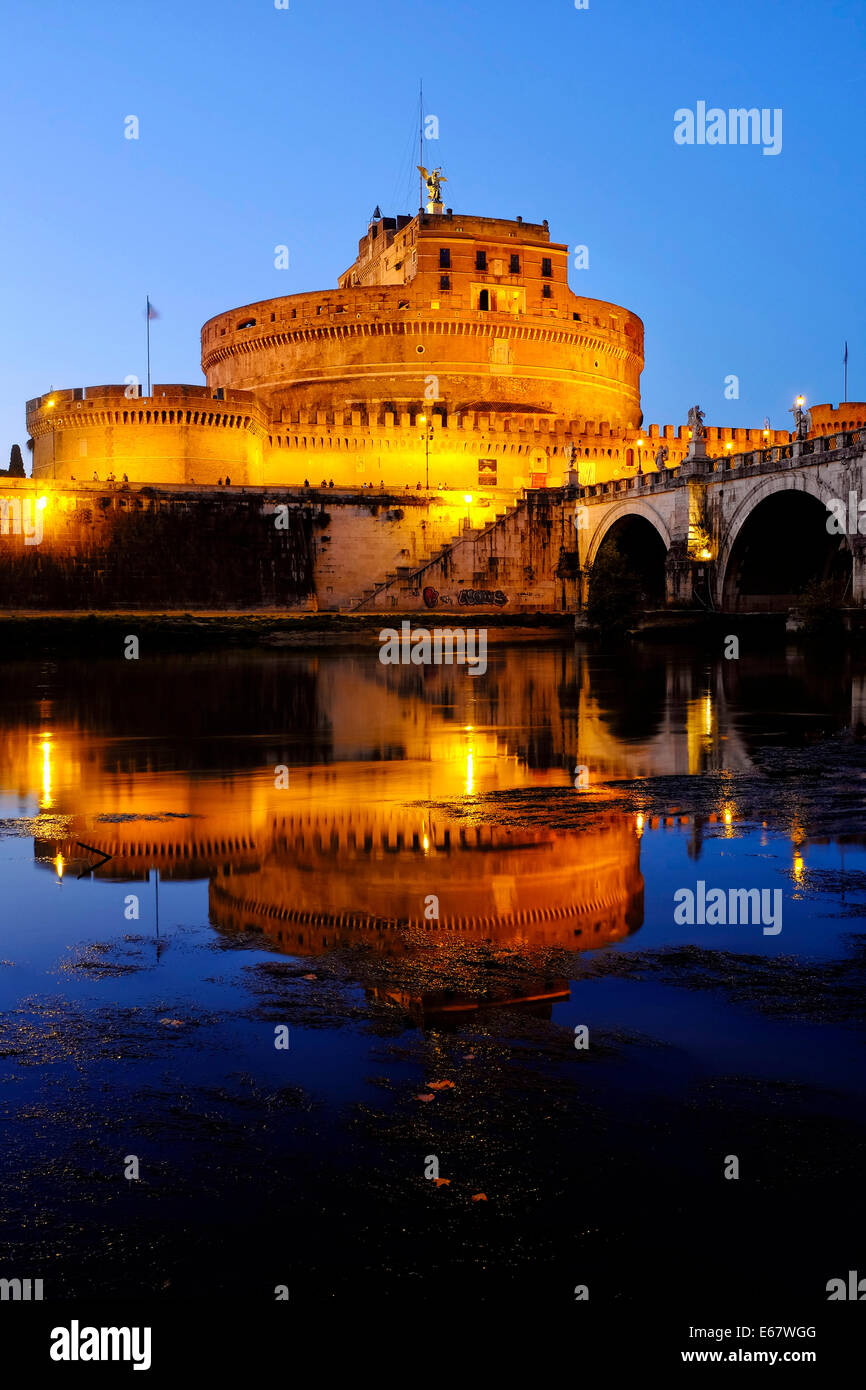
(421, 143)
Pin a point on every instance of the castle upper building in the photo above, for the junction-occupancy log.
(452, 353)
(444, 316)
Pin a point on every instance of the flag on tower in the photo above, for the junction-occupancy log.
(151, 312)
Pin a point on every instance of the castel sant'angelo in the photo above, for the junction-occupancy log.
(452, 341)
(426, 429)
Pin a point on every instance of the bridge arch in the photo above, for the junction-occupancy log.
(777, 542)
(614, 515)
(641, 536)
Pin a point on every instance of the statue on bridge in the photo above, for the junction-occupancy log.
(802, 418)
(661, 456)
(696, 422)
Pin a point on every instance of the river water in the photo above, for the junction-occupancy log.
(301, 934)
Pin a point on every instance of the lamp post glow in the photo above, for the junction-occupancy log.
(467, 498)
(427, 436)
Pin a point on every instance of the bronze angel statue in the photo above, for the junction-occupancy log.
(434, 183)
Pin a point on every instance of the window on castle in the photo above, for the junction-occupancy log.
(547, 266)
(546, 292)
(480, 260)
(444, 282)
(515, 265)
(484, 299)
(247, 323)
(444, 258)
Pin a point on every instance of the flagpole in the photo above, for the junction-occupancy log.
(845, 373)
(147, 317)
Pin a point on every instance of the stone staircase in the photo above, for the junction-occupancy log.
(406, 581)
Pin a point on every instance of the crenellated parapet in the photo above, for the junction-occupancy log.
(177, 434)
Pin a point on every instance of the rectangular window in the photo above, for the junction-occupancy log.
(545, 292)
(444, 282)
(444, 258)
(515, 265)
(480, 260)
(547, 266)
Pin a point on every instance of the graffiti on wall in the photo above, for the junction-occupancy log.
(466, 598)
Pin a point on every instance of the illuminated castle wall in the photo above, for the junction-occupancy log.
(452, 337)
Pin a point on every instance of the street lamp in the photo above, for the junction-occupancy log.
(467, 498)
(427, 436)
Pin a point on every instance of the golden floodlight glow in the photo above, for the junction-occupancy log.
(706, 554)
(640, 823)
(58, 864)
(470, 772)
(46, 775)
(801, 400)
(467, 498)
(41, 504)
(798, 868)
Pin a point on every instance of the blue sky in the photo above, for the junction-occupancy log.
(261, 127)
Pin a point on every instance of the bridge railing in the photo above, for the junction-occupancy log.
(639, 482)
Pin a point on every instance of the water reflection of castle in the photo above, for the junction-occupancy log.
(314, 880)
(336, 878)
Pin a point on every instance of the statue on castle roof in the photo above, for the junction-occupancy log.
(696, 422)
(434, 181)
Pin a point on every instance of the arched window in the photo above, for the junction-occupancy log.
(484, 299)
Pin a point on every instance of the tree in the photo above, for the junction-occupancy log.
(16, 462)
(819, 606)
(614, 593)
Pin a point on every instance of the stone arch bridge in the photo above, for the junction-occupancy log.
(741, 533)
